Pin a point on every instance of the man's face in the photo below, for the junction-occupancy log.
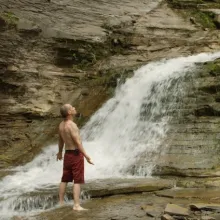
(72, 110)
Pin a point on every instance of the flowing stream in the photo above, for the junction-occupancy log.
(132, 123)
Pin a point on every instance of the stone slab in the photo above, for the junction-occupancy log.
(106, 187)
(174, 209)
(205, 217)
(167, 217)
(151, 211)
(190, 193)
(203, 206)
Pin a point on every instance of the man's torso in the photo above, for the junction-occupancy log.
(65, 129)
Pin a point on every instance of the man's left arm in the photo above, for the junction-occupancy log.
(60, 147)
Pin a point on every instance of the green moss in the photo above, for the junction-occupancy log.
(213, 167)
(10, 18)
(80, 54)
(84, 55)
(81, 120)
(189, 4)
(191, 8)
(5, 159)
(206, 19)
(181, 4)
(110, 79)
(213, 68)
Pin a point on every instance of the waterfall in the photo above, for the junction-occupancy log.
(132, 123)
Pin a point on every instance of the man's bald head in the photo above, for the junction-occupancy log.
(64, 110)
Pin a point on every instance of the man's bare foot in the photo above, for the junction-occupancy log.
(61, 203)
(79, 208)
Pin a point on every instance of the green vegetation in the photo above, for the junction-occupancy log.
(193, 8)
(213, 68)
(206, 19)
(183, 4)
(83, 55)
(86, 55)
(79, 54)
(10, 18)
(81, 120)
(110, 79)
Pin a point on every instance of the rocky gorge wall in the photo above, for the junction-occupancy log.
(53, 52)
(192, 145)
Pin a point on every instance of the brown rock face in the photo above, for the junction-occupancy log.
(53, 52)
(192, 142)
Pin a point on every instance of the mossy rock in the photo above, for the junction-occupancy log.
(193, 8)
(212, 68)
(211, 5)
(9, 19)
(184, 4)
(81, 120)
(79, 53)
(206, 19)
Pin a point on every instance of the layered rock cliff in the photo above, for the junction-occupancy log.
(53, 52)
(192, 145)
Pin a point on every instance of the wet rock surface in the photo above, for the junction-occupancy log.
(212, 193)
(47, 197)
(138, 206)
(101, 188)
(162, 202)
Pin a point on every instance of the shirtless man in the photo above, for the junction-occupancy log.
(73, 165)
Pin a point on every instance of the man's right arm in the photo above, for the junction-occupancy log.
(77, 140)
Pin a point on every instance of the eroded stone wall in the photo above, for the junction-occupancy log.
(192, 145)
(53, 52)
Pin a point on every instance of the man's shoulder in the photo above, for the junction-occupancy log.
(61, 123)
(73, 124)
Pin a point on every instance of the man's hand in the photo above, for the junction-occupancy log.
(89, 160)
(59, 156)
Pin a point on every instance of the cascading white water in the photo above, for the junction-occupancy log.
(133, 122)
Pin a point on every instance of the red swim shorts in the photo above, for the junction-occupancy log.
(73, 167)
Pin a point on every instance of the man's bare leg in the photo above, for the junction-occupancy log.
(62, 190)
(76, 195)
